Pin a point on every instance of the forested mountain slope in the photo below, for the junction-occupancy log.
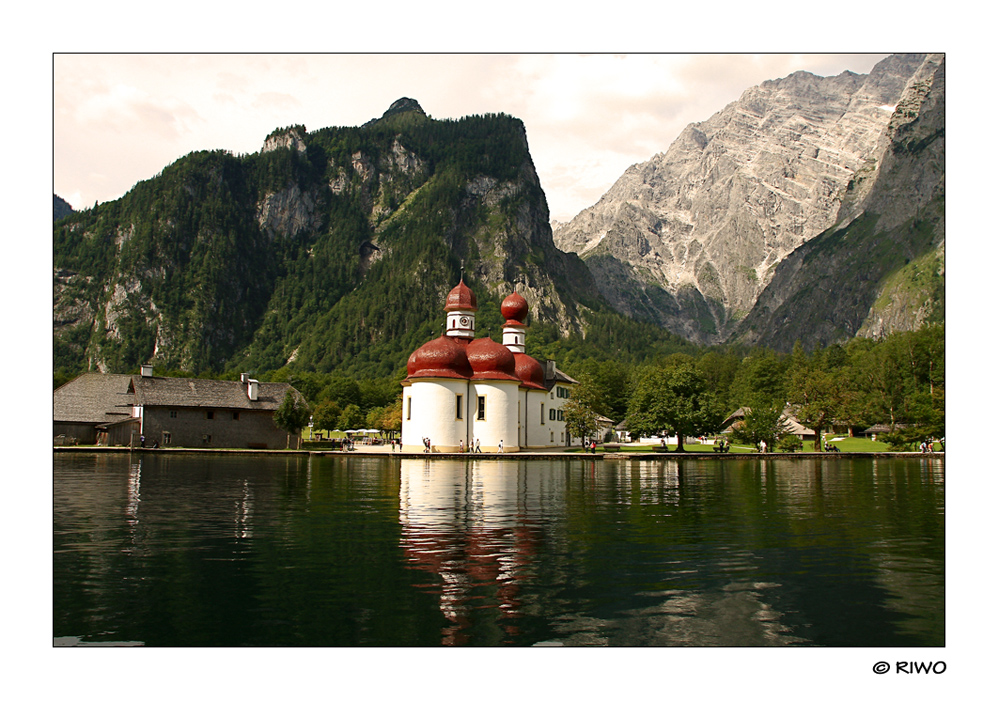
(327, 250)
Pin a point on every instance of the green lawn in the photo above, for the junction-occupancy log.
(845, 445)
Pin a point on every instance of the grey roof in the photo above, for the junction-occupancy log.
(553, 375)
(92, 398)
(216, 394)
(98, 398)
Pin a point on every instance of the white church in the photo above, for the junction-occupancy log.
(462, 392)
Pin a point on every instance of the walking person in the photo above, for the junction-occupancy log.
(461, 445)
(478, 447)
(500, 447)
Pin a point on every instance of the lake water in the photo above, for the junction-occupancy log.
(182, 550)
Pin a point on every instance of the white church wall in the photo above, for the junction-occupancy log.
(500, 422)
(429, 409)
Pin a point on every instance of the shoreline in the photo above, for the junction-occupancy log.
(520, 455)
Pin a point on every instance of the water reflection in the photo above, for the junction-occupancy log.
(669, 553)
(177, 550)
(471, 526)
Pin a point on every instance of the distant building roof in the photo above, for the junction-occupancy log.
(98, 398)
(92, 398)
(553, 375)
(216, 394)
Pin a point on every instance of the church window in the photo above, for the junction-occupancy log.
(458, 401)
(409, 408)
(542, 413)
(481, 416)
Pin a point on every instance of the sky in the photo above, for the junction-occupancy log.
(121, 118)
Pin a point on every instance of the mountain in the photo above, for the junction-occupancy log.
(60, 208)
(326, 250)
(693, 238)
(880, 269)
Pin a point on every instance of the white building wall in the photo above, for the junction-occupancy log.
(429, 409)
(501, 415)
(534, 426)
(554, 401)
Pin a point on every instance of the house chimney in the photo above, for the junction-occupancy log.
(251, 389)
(244, 377)
(146, 371)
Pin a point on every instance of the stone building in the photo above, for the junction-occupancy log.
(170, 411)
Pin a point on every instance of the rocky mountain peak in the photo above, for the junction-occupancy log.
(290, 137)
(690, 238)
(404, 104)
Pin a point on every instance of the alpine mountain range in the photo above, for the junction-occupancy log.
(811, 209)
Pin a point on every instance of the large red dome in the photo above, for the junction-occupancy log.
(491, 360)
(441, 357)
(514, 308)
(461, 298)
(530, 372)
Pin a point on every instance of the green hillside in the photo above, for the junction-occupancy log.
(327, 251)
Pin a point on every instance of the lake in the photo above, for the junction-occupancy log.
(235, 550)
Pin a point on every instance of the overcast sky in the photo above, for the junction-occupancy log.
(122, 118)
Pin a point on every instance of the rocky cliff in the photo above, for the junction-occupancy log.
(325, 249)
(691, 238)
(880, 269)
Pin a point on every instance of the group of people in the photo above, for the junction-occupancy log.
(474, 447)
(926, 447)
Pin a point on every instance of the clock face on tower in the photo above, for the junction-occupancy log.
(464, 321)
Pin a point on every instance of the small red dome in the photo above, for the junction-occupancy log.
(441, 357)
(461, 299)
(514, 308)
(530, 372)
(491, 360)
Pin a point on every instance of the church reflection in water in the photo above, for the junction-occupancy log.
(474, 526)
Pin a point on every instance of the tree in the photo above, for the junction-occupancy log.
(293, 415)
(325, 417)
(762, 424)
(817, 396)
(673, 400)
(351, 418)
(580, 417)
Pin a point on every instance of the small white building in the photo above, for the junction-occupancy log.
(461, 391)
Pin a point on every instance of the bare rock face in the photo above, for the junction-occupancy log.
(288, 212)
(880, 268)
(690, 238)
(292, 138)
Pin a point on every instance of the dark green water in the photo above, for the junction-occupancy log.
(176, 550)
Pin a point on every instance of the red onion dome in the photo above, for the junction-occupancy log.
(491, 360)
(530, 372)
(514, 308)
(460, 299)
(441, 357)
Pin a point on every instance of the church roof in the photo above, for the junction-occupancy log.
(514, 310)
(491, 360)
(442, 357)
(461, 298)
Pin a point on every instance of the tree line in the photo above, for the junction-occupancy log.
(897, 381)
